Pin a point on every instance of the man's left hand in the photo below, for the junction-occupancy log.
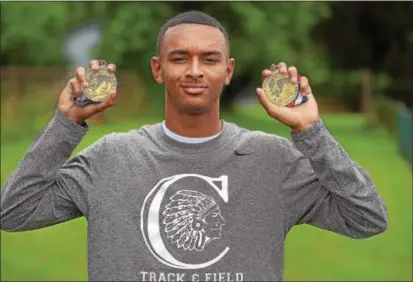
(300, 117)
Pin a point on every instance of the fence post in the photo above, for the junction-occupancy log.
(404, 128)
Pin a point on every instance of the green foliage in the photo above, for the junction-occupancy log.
(385, 114)
(131, 31)
(269, 32)
(314, 36)
(376, 35)
(32, 32)
(22, 117)
(261, 33)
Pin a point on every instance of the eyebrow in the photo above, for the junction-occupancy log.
(183, 52)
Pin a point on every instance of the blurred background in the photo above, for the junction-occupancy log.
(357, 55)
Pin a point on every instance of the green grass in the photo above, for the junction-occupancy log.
(59, 253)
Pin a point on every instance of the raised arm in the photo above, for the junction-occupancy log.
(324, 187)
(47, 188)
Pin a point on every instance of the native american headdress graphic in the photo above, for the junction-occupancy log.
(192, 220)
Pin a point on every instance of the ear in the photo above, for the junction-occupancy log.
(230, 70)
(198, 224)
(157, 69)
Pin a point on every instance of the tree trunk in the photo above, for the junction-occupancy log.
(366, 91)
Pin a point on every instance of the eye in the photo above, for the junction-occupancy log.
(178, 59)
(215, 214)
(211, 60)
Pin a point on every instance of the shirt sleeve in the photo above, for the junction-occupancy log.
(325, 188)
(47, 187)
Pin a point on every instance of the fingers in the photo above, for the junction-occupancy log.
(111, 68)
(292, 73)
(273, 67)
(282, 67)
(109, 101)
(75, 88)
(94, 65)
(76, 84)
(265, 74)
(81, 76)
(294, 77)
(93, 109)
(270, 108)
(305, 88)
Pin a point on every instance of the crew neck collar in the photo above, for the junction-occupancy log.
(187, 140)
(226, 135)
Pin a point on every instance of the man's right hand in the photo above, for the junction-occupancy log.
(67, 104)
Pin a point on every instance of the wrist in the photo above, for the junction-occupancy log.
(313, 129)
(73, 125)
(300, 128)
(74, 118)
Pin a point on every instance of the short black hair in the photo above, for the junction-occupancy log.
(191, 17)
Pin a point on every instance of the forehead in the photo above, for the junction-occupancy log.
(194, 38)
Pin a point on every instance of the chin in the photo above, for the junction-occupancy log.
(213, 234)
(196, 106)
(196, 110)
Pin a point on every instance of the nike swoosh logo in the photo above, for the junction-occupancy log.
(243, 152)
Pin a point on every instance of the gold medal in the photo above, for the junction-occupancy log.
(279, 90)
(100, 82)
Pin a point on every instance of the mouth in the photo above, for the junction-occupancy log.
(193, 89)
(217, 227)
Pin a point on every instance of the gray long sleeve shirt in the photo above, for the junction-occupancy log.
(160, 210)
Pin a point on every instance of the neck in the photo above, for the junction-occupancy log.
(193, 125)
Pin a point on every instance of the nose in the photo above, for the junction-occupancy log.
(194, 70)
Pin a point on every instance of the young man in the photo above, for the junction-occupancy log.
(194, 198)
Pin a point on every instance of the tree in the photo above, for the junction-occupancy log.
(261, 33)
(373, 35)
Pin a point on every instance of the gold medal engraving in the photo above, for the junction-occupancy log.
(279, 90)
(100, 82)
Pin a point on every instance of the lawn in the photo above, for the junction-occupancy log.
(59, 253)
